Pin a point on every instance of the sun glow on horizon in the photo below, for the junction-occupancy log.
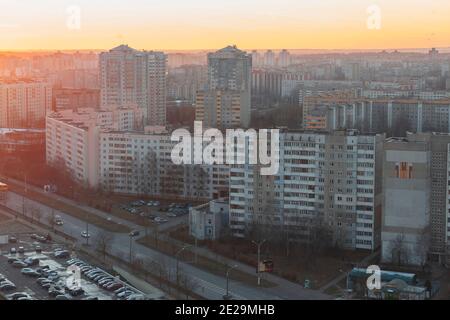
(201, 24)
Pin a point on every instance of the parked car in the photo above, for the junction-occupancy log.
(12, 239)
(7, 286)
(74, 292)
(30, 272)
(72, 261)
(31, 261)
(85, 269)
(42, 280)
(61, 254)
(105, 280)
(125, 294)
(21, 250)
(55, 291)
(12, 260)
(17, 295)
(12, 251)
(62, 297)
(19, 264)
(38, 249)
(136, 296)
(114, 286)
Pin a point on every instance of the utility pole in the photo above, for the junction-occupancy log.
(259, 244)
(131, 248)
(195, 251)
(87, 233)
(178, 262)
(227, 296)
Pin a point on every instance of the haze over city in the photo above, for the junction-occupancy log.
(235, 153)
(201, 24)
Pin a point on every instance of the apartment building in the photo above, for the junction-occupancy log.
(140, 163)
(406, 201)
(227, 97)
(72, 138)
(426, 160)
(219, 109)
(376, 115)
(24, 103)
(73, 99)
(330, 181)
(132, 77)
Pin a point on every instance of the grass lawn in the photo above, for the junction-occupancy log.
(296, 267)
(72, 210)
(212, 266)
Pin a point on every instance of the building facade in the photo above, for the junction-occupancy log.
(376, 115)
(24, 103)
(325, 181)
(72, 139)
(129, 76)
(229, 70)
(406, 201)
(207, 221)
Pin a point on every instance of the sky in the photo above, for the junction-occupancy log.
(212, 24)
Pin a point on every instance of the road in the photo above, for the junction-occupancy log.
(209, 286)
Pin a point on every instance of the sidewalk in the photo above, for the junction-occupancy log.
(342, 276)
(288, 287)
(285, 288)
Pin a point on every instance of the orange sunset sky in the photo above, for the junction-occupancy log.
(201, 24)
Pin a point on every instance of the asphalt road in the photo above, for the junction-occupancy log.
(209, 286)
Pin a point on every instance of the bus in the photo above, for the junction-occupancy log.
(3, 191)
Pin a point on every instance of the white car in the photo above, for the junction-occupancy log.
(85, 234)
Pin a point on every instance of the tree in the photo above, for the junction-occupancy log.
(399, 251)
(103, 242)
(36, 213)
(51, 220)
(187, 282)
(421, 248)
(319, 239)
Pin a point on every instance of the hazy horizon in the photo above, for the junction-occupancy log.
(198, 24)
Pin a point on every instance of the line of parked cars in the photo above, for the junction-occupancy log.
(106, 281)
(5, 284)
(176, 210)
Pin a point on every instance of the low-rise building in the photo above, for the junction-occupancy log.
(207, 221)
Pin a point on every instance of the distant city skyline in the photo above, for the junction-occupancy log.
(210, 25)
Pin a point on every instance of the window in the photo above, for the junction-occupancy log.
(403, 170)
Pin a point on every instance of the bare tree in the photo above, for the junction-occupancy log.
(51, 220)
(319, 239)
(421, 248)
(36, 213)
(103, 242)
(187, 282)
(399, 251)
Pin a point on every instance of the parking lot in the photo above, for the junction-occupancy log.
(34, 268)
(156, 211)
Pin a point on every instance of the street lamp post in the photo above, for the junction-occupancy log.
(178, 261)
(131, 246)
(132, 234)
(259, 244)
(227, 295)
(87, 233)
